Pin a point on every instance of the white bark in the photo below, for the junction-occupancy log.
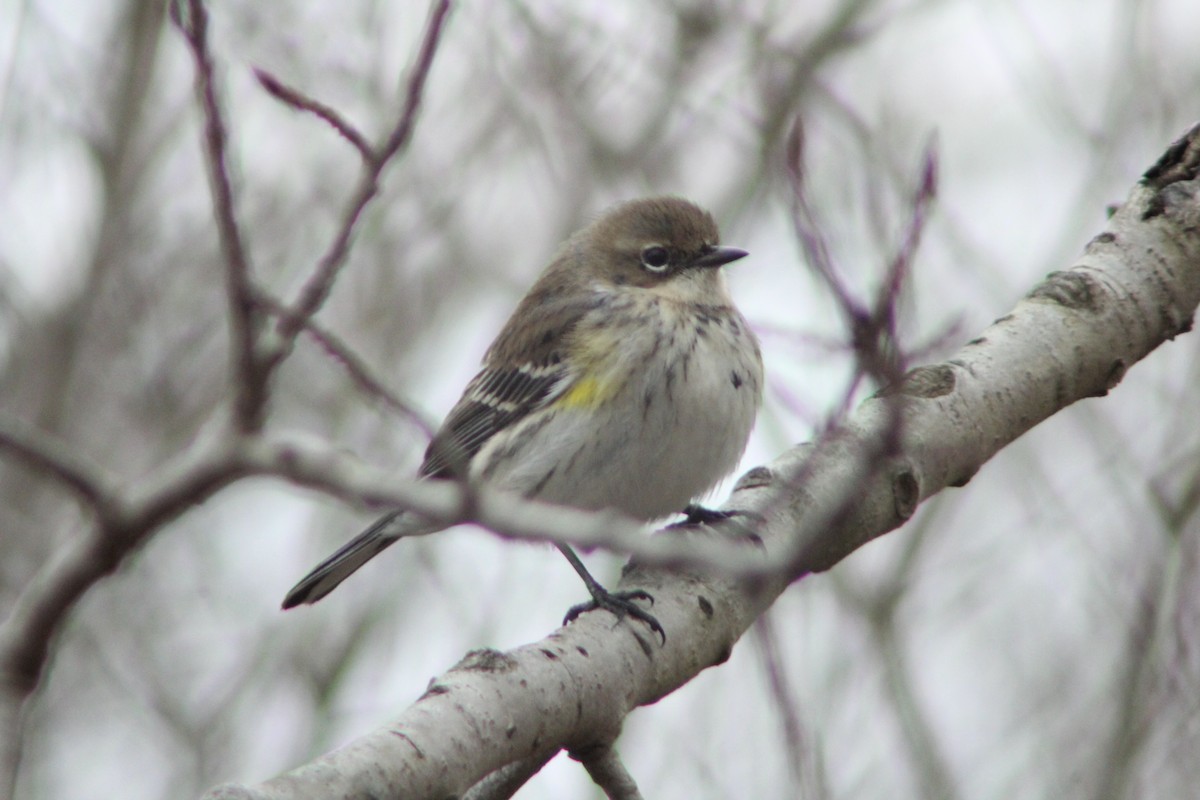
(1074, 336)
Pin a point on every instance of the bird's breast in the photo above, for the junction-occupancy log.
(661, 401)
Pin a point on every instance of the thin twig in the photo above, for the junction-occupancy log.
(510, 516)
(808, 231)
(302, 102)
(250, 376)
(358, 370)
(921, 202)
(873, 332)
(873, 327)
(40, 451)
(416, 81)
(800, 761)
(316, 290)
(811, 238)
(507, 780)
(608, 772)
(26, 634)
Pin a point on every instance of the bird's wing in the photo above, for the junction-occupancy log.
(524, 370)
(495, 399)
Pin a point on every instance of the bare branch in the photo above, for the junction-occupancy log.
(878, 604)
(359, 371)
(506, 781)
(302, 102)
(873, 337)
(808, 231)
(37, 616)
(26, 633)
(316, 290)
(801, 759)
(881, 327)
(250, 378)
(252, 372)
(606, 769)
(61, 463)
(872, 327)
(901, 264)
(513, 517)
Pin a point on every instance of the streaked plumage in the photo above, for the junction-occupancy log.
(625, 379)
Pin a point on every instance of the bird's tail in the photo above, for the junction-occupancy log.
(326, 576)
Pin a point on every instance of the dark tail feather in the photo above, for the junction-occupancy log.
(326, 576)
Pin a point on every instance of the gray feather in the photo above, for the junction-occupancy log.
(326, 576)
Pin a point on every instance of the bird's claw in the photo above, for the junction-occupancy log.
(620, 605)
(699, 515)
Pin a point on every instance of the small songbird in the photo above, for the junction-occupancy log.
(625, 380)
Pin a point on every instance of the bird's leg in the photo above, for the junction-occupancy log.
(620, 604)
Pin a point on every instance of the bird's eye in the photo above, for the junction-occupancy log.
(656, 258)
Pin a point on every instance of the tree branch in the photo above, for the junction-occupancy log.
(360, 373)
(302, 102)
(608, 772)
(254, 365)
(316, 290)
(58, 461)
(250, 378)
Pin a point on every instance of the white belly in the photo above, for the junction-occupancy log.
(662, 439)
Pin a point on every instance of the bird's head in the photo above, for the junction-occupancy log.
(664, 244)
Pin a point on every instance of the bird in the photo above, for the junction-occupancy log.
(626, 379)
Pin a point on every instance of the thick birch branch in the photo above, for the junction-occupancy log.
(1072, 337)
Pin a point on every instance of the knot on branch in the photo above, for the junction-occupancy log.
(1180, 162)
(756, 478)
(1073, 289)
(906, 493)
(934, 380)
(486, 660)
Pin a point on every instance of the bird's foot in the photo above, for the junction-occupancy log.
(699, 515)
(620, 605)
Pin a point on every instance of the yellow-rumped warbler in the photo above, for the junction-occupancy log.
(625, 379)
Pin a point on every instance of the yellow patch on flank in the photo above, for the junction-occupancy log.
(587, 392)
(597, 358)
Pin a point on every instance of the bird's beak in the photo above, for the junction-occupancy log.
(719, 256)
